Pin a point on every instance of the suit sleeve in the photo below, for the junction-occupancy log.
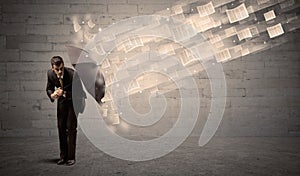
(50, 86)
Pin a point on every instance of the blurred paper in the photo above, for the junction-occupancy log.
(154, 90)
(250, 9)
(109, 79)
(105, 64)
(132, 43)
(269, 15)
(237, 48)
(223, 55)
(178, 18)
(133, 86)
(237, 14)
(177, 9)
(186, 57)
(91, 24)
(88, 35)
(108, 37)
(245, 51)
(287, 3)
(76, 26)
(219, 44)
(214, 39)
(99, 49)
(183, 31)
(254, 31)
(230, 32)
(275, 31)
(115, 119)
(166, 50)
(206, 9)
(243, 34)
(202, 24)
(104, 112)
(107, 96)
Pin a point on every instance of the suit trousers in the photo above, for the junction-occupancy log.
(67, 129)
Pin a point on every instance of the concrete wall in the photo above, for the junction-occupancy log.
(263, 88)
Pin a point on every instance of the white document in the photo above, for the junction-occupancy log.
(223, 55)
(275, 31)
(76, 26)
(237, 14)
(269, 15)
(206, 9)
(243, 34)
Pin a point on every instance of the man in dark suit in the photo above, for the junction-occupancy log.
(59, 86)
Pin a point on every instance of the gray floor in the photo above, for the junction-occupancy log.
(222, 156)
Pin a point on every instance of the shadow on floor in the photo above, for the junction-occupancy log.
(49, 161)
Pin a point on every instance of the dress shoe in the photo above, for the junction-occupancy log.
(61, 162)
(70, 162)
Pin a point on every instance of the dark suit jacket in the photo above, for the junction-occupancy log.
(70, 80)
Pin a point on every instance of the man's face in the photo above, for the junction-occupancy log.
(59, 70)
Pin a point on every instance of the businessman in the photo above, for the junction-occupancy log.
(59, 87)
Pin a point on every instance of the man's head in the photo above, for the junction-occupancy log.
(57, 64)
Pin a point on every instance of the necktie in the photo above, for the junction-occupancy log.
(61, 82)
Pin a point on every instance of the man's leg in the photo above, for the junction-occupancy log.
(72, 133)
(62, 132)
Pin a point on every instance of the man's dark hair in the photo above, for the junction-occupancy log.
(56, 60)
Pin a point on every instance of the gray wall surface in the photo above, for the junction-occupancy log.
(263, 89)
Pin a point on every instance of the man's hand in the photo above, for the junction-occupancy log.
(57, 93)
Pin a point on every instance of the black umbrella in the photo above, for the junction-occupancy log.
(88, 71)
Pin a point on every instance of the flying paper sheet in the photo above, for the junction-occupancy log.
(76, 26)
(223, 55)
(206, 9)
(237, 14)
(91, 24)
(243, 34)
(269, 15)
(275, 31)
(132, 43)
